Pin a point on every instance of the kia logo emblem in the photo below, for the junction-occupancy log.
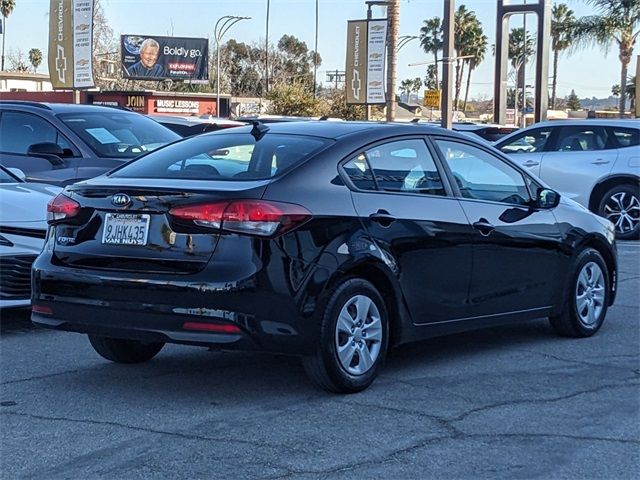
(121, 200)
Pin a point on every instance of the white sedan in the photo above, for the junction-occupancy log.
(23, 228)
(595, 162)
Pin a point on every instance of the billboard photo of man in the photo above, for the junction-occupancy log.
(147, 66)
(158, 58)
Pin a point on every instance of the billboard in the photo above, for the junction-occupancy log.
(160, 58)
(71, 43)
(365, 72)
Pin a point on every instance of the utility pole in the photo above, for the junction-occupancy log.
(447, 65)
(266, 54)
(393, 11)
(315, 54)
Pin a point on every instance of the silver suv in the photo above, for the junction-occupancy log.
(594, 162)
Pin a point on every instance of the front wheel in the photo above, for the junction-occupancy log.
(124, 351)
(588, 297)
(353, 339)
(621, 205)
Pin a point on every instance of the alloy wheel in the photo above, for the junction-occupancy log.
(358, 335)
(590, 294)
(623, 209)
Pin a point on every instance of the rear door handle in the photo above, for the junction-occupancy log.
(600, 161)
(382, 217)
(484, 227)
(531, 163)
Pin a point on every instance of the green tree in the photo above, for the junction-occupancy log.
(6, 8)
(406, 86)
(615, 90)
(465, 21)
(416, 85)
(431, 79)
(573, 102)
(613, 21)
(431, 41)
(562, 37)
(336, 106)
(631, 92)
(476, 47)
(293, 99)
(521, 48)
(296, 61)
(35, 58)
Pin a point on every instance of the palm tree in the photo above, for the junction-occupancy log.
(35, 58)
(6, 8)
(476, 46)
(464, 22)
(562, 24)
(631, 92)
(520, 49)
(613, 21)
(431, 39)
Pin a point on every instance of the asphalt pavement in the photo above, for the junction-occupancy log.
(509, 402)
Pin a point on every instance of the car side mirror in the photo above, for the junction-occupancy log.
(47, 150)
(547, 198)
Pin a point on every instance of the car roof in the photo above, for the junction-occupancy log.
(335, 130)
(192, 120)
(56, 108)
(618, 122)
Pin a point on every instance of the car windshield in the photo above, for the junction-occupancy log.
(118, 134)
(225, 157)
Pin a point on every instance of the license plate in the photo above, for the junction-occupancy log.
(125, 229)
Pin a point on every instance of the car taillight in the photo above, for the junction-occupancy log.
(61, 208)
(254, 217)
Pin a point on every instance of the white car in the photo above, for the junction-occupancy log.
(23, 228)
(594, 162)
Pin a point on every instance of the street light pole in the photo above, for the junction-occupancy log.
(404, 39)
(219, 30)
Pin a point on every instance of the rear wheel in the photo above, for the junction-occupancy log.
(124, 351)
(621, 205)
(353, 339)
(587, 297)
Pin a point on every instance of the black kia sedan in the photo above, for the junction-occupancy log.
(333, 241)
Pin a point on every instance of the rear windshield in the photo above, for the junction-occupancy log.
(224, 157)
(118, 134)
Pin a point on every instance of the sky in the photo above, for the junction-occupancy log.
(591, 72)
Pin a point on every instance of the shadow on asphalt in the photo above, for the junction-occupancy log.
(14, 321)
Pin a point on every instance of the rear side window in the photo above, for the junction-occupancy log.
(18, 131)
(626, 137)
(581, 139)
(402, 166)
(225, 157)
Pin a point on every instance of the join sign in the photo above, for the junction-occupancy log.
(365, 72)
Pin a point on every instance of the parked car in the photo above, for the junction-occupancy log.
(59, 143)
(489, 132)
(186, 126)
(330, 240)
(594, 162)
(23, 227)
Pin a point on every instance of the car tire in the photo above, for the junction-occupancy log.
(621, 205)
(354, 336)
(124, 351)
(587, 297)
